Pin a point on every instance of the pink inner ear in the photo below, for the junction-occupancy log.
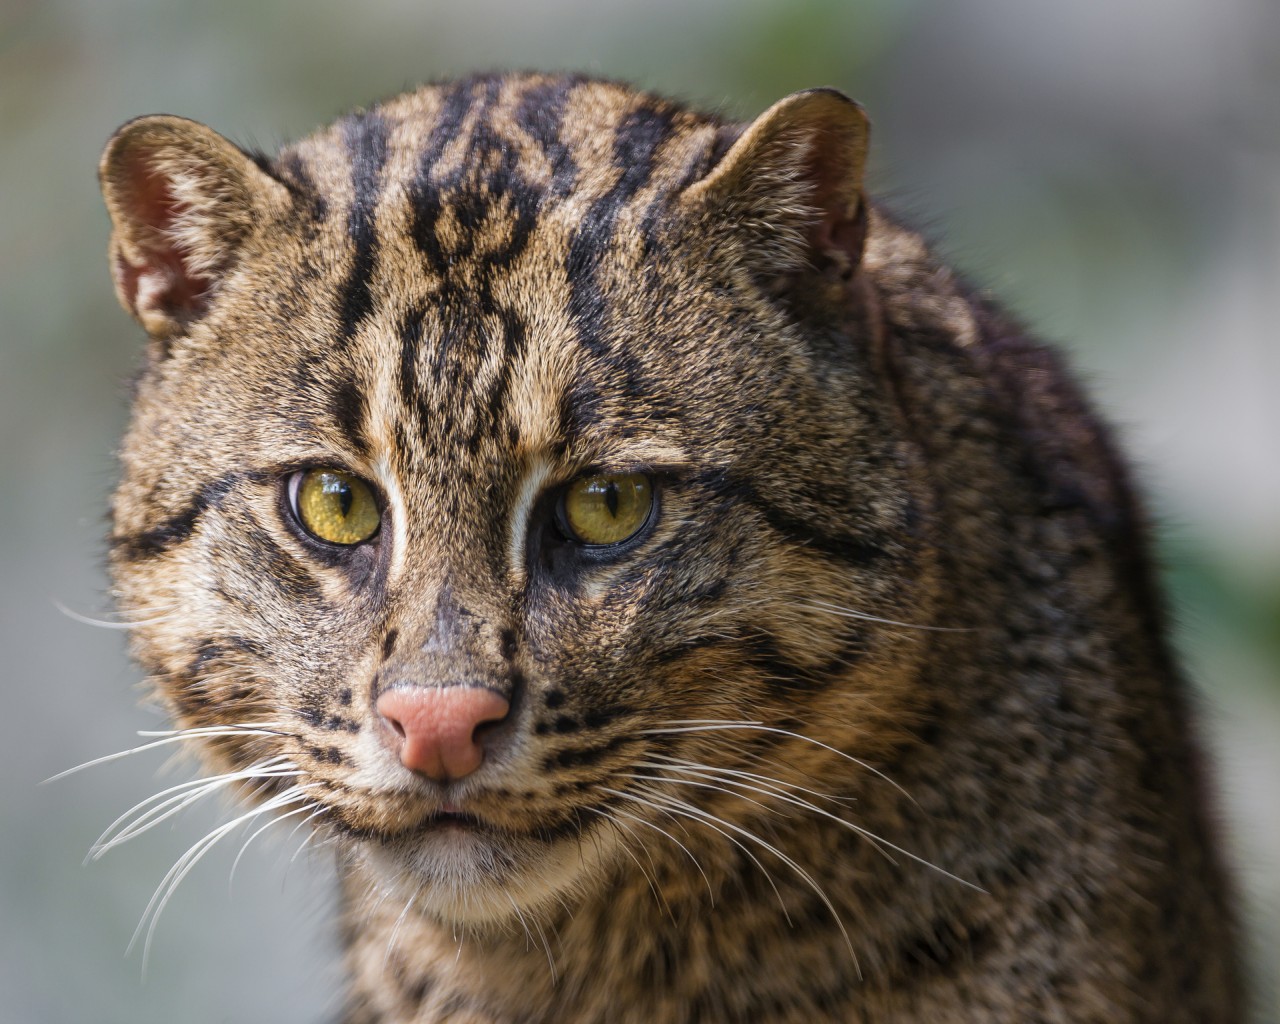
(838, 236)
(162, 279)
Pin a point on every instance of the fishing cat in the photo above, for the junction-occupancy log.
(676, 595)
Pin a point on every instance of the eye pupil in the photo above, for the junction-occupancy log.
(611, 499)
(345, 498)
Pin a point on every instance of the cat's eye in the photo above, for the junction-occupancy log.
(335, 506)
(606, 509)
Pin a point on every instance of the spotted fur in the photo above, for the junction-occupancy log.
(877, 722)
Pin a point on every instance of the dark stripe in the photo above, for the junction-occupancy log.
(853, 550)
(582, 757)
(504, 185)
(578, 414)
(389, 642)
(573, 824)
(216, 652)
(208, 652)
(313, 708)
(410, 344)
(513, 346)
(264, 163)
(697, 642)
(943, 948)
(448, 359)
(595, 718)
(486, 183)
(424, 194)
(635, 148)
(365, 136)
(297, 179)
(178, 526)
(327, 755)
(783, 677)
(347, 406)
(286, 575)
(192, 698)
(541, 114)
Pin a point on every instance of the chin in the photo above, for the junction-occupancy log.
(465, 873)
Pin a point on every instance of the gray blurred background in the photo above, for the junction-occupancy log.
(1110, 168)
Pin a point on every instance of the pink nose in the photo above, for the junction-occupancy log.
(435, 728)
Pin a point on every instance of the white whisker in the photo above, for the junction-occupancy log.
(395, 930)
(656, 828)
(320, 809)
(879, 843)
(849, 613)
(161, 806)
(184, 865)
(747, 853)
(705, 785)
(791, 800)
(776, 785)
(683, 807)
(106, 624)
(714, 725)
(172, 736)
(231, 877)
(653, 886)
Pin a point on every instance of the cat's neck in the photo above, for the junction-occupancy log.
(687, 900)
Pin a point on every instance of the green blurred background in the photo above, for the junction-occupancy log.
(1110, 168)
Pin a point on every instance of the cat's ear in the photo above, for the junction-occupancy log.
(789, 186)
(182, 200)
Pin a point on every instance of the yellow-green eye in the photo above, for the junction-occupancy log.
(607, 509)
(335, 506)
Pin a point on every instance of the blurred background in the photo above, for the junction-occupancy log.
(1109, 168)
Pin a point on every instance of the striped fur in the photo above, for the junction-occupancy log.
(876, 723)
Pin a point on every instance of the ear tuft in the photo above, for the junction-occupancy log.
(182, 201)
(790, 186)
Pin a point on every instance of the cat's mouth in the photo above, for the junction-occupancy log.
(416, 821)
(451, 818)
(453, 852)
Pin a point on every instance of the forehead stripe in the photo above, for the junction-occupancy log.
(635, 146)
(347, 405)
(424, 195)
(365, 136)
(541, 114)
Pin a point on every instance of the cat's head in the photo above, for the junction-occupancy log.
(511, 466)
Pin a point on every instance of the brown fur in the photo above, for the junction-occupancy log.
(940, 769)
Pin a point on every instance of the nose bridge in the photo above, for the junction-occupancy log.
(449, 606)
(446, 639)
(441, 628)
